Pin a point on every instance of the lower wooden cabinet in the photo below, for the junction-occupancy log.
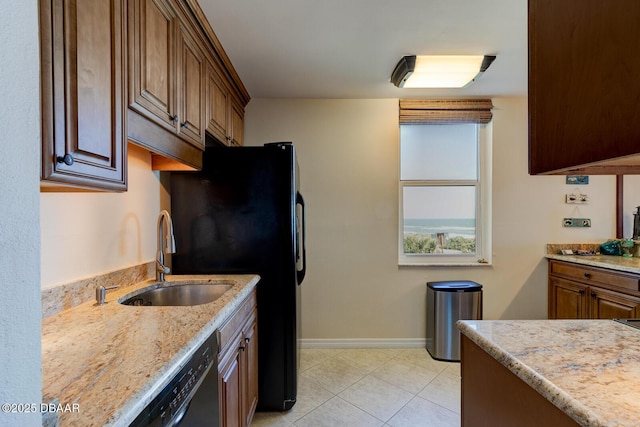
(250, 363)
(238, 366)
(230, 385)
(567, 300)
(606, 304)
(577, 292)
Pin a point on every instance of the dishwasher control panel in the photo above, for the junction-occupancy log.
(169, 406)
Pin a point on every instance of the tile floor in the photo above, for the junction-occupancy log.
(372, 387)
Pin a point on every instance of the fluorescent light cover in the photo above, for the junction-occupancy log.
(444, 71)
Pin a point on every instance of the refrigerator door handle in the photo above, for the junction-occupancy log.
(301, 253)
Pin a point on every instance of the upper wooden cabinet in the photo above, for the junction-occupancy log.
(171, 98)
(83, 104)
(217, 105)
(154, 56)
(191, 88)
(166, 81)
(584, 87)
(224, 113)
(152, 60)
(236, 135)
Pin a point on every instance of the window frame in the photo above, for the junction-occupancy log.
(483, 206)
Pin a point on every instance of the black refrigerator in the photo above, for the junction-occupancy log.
(243, 213)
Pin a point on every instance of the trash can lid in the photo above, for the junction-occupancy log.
(455, 286)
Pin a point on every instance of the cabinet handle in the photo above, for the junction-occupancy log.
(67, 159)
(242, 348)
(587, 275)
(184, 124)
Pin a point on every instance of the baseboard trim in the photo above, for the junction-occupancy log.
(364, 343)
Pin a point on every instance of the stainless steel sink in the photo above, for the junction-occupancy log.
(634, 323)
(179, 294)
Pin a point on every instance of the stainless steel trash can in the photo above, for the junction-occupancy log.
(448, 302)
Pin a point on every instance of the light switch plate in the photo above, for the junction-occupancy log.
(576, 222)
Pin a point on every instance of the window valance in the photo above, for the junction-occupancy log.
(441, 111)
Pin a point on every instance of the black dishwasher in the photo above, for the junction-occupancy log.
(190, 399)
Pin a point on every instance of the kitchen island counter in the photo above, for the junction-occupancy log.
(589, 369)
(106, 363)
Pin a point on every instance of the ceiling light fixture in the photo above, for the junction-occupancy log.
(439, 71)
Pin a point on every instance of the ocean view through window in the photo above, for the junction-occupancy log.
(443, 199)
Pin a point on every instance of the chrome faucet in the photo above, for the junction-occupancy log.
(166, 244)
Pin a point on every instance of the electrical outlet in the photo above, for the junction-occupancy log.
(576, 222)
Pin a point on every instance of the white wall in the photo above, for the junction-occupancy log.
(348, 155)
(86, 234)
(20, 360)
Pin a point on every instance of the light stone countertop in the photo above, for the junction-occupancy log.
(112, 360)
(589, 369)
(618, 263)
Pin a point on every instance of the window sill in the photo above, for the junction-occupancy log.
(445, 264)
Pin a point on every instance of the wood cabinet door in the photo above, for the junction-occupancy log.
(83, 125)
(567, 299)
(152, 68)
(191, 93)
(217, 106)
(237, 123)
(583, 64)
(230, 381)
(250, 371)
(606, 304)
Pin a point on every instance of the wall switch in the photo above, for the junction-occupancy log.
(576, 222)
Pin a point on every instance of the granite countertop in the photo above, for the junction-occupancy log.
(618, 263)
(110, 361)
(590, 369)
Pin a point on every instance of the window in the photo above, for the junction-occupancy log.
(444, 194)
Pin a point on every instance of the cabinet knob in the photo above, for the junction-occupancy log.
(184, 124)
(587, 275)
(67, 159)
(593, 294)
(228, 138)
(242, 347)
(174, 118)
(581, 291)
(247, 339)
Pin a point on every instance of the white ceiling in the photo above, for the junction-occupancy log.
(348, 48)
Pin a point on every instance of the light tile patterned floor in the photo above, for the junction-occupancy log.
(372, 387)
